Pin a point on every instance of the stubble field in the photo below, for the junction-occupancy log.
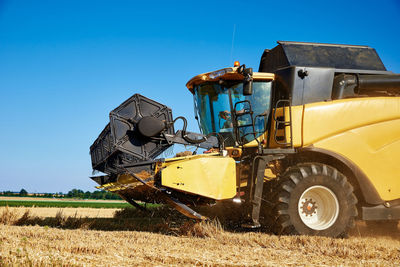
(59, 237)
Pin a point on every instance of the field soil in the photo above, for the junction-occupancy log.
(188, 243)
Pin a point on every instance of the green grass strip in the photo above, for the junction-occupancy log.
(64, 204)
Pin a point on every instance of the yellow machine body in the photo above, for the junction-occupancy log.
(366, 131)
(208, 176)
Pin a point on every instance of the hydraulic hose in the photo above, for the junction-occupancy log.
(198, 141)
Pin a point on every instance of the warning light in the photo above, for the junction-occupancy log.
(264, 142)
(236, 64)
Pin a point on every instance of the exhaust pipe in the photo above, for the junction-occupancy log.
(349, 85)
(385, 82)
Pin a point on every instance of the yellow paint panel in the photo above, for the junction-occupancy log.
(213, 177)
(254, 143)
(322, 120)
(297, 124)
(190, 157)
(366, 131)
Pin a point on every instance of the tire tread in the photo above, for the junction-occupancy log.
(279, 193)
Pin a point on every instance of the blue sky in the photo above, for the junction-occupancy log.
(64, 65)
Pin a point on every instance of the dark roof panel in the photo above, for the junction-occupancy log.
(320, 55)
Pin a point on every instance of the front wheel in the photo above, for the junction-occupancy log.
(313, 199)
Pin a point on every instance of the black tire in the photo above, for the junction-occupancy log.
(326, 187)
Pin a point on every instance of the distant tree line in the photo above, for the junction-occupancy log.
(74, 193)
(77, 193)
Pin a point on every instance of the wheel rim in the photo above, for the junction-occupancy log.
(318, 207)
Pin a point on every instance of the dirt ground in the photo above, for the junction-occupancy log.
(204, 245)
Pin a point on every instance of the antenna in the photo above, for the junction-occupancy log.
(233, 42)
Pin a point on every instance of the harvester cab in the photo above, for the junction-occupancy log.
(233, 102)
(292, 143)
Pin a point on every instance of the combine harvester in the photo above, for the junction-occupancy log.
(306, 145)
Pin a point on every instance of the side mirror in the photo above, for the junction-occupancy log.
(248, 81)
